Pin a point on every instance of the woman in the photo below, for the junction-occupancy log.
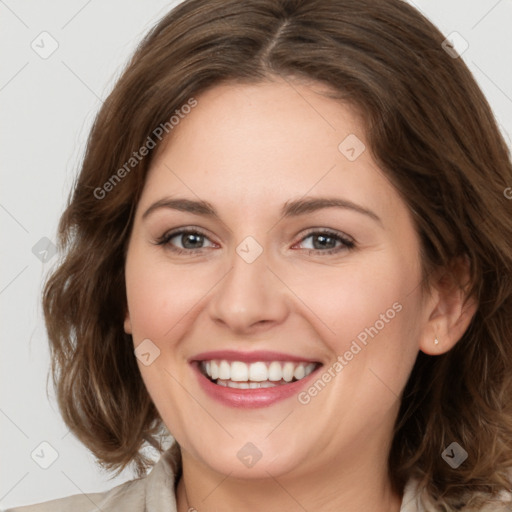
(290, 247)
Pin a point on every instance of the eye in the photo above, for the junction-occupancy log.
(191, 241)
(326, 242)
(185, 241)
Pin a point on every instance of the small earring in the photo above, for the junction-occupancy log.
(436, 341)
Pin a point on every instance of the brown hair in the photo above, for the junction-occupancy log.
(431, 131)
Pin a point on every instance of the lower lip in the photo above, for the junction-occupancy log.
(250, 398)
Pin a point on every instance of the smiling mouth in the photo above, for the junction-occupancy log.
(259, 374)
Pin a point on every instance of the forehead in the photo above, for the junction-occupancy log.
(267, 120)
(268, 142)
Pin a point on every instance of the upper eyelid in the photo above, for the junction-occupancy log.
(184, 230)
(168, 235)
(328, 231)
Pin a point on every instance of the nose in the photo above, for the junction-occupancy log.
(250, 298)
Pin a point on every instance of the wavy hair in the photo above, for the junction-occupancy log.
(431, 131)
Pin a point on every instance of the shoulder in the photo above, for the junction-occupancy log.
(152, 492)
(130, 496)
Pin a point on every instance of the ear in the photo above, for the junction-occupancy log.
(449, 310)
(127, 323)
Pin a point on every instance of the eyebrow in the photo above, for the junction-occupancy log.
(290, 209)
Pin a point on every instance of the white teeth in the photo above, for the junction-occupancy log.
(246, 385)
(240, 385)
(239, 372)
(274, 371)
(299, 372)
(255, 375)
(215, 370)
(288, 369)
(224, 370)
(258, 372)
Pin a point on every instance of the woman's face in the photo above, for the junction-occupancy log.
(298, 251)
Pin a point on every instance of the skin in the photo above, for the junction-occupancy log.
(248, 150)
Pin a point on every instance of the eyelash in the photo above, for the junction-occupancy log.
(347, 243)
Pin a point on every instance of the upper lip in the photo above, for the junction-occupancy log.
(249, 357)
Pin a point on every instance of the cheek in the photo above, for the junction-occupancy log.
(367, 315)
(369, 321)
(356, 301)
(160, 295)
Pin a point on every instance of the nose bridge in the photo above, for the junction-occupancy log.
(249, 294)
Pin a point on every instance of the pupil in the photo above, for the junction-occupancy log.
(325, 241)
(192, 241)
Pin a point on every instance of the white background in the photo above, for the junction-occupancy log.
(48, 106)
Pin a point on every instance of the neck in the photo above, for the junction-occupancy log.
(324, 488)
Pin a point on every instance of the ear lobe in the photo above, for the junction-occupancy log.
(451, 310)
(447, 328)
